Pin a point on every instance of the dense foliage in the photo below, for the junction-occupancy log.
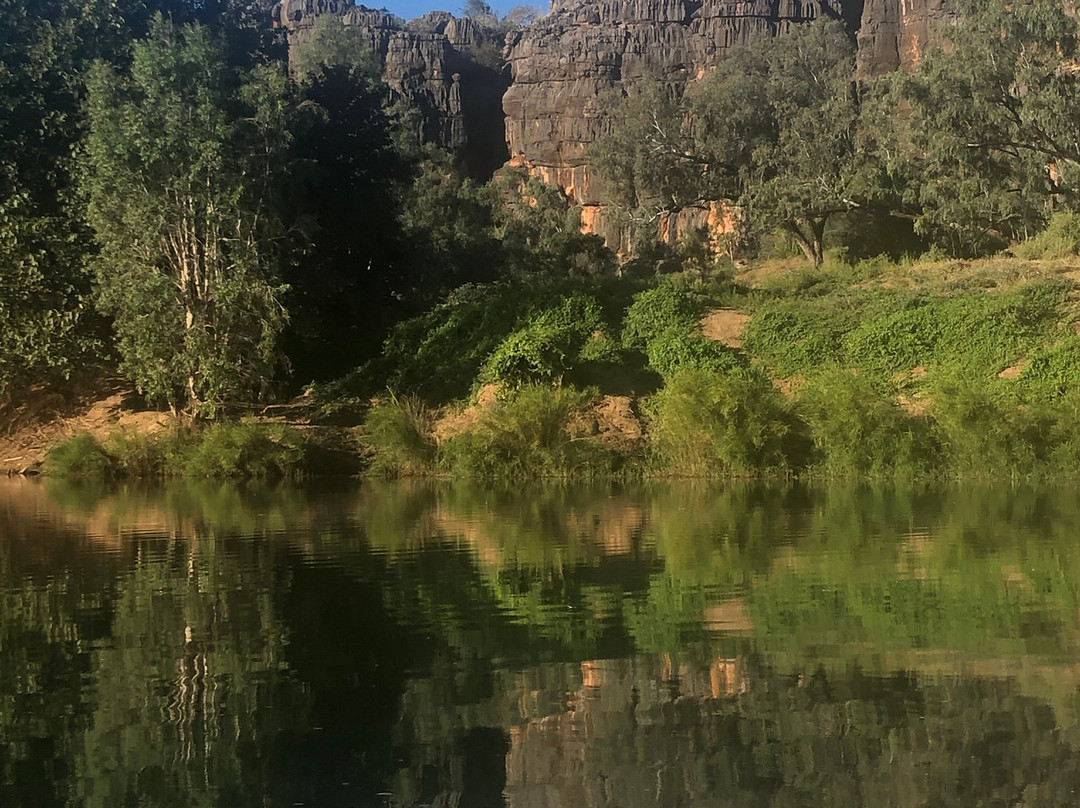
(181, 205)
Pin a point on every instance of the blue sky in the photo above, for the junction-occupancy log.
(414, 8)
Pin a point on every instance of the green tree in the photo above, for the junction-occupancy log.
(181, 175)
(352, 281)
(773, 130)
(994, 134)
(47, 330)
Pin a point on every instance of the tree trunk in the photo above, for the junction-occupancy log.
(809, 234)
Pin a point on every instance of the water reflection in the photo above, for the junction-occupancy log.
(666, 645)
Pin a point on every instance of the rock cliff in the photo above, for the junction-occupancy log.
(563, 63)
(536, 99)
(449, 69)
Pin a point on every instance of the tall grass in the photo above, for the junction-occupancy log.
(859, 432)
(707, 424)
(399, 430)
(228, 450)
(535, 432)
(1060, 239)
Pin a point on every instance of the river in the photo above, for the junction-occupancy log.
(670, 644)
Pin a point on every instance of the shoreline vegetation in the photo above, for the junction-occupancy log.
(871, 369)
(255, 263)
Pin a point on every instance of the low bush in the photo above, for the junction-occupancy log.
(707, 424)
(985, 435)
(138, 454)
(245, 449)
(81, 455)
(549, 344)
(529, 434)
(657, 311)
(1052, 374)
(858, 431)
(675, 350)
(796, 336)
(399, 430)
(1060, 239)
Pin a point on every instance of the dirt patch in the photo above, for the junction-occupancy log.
(616, 423)
(41, 416)
(1016, 370)
(914, 405)
(451, 422)
(725, 326)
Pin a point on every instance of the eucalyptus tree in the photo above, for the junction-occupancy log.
(773, 130)
(994, 130)
(182, 167)
(47, 328)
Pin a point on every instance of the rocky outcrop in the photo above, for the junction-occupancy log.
(537, 100)
(449, 69)
(894, 34)
(564, 63)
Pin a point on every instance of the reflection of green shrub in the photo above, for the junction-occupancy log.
(859, 431)
(713, 424)
(80, 456)
(548, 344)
(399, 430)
(528, 435)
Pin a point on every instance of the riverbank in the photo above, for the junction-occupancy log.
(871, 369)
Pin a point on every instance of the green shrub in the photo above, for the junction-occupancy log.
(986, 436)
(137, 454)
(81, 455)
(895, 342)
(529, 435)
(1052, 374)
(796, 336)
(438, 354)
(974, 334)
(713, 424)
(656, 311)
(1060, 239)
(245, 449)
(548, 344)
(399, 429)
(859, 431)
(675, 350)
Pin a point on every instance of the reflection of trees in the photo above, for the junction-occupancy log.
(186, 689)
(150, 672)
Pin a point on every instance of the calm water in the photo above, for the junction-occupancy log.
(673, 645)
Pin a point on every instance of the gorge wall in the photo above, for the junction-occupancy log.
(562, 64)
(451, 70)
(534, 98)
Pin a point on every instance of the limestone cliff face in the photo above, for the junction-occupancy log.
(563, 63)
(447, 68)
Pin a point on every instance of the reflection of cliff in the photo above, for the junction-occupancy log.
(643, 732)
